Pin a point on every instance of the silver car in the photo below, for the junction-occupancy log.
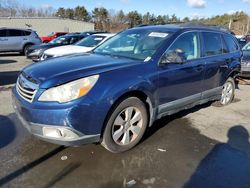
(17, 40)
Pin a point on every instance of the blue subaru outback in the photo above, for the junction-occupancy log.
(114, 93)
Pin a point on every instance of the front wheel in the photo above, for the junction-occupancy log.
(25, 49)
(228, 92)
(125, 126)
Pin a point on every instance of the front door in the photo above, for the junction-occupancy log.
(180, 79)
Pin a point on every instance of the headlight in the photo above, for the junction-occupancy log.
(70, 91)
(37, 51)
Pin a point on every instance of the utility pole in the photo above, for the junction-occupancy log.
(230, 24)
(248, 23)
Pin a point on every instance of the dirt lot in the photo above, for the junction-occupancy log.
(206, 146)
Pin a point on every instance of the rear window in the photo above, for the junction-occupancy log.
(26, 33)
(231, 44)
(212, 43)
(3, 33)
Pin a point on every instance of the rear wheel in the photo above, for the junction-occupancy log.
(125, 126)
(228, 92)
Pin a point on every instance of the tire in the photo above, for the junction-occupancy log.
(25, 49)
(228, 92)
(128, 117)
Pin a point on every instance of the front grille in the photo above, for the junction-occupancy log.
(25, 89)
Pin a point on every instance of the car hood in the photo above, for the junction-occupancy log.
(246, 55)
(66, 50)
(56, 71)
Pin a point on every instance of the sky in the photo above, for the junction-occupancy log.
(182, 8)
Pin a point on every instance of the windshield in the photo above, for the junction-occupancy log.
(246, 47)
(136, 44)
(60, 40)
(91, 41)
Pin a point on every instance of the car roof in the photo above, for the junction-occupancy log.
(23, 29)
(105, 34)
(187, 26)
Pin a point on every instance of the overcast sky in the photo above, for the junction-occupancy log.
(182, 8)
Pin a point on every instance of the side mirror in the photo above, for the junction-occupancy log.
(176, 57)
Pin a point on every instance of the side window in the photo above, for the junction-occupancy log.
(60, 34)
(186, 47)
(73, 40)
(3, 33)
(212, 44)
(231, 44)
(224, 46)
(15, 33)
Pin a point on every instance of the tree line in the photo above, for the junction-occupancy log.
(114, 21)
(111, 20)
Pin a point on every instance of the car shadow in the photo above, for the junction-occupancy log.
(10, 54)
(7, 131)
(227, 165)
(159, 124)
(8, 77)
(7, 61)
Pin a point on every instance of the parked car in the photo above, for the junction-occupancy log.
(247, 38)
(85, 45)
(52, 36)
(35, 52)
(17, 40)
(245, 62)
(138, 76)
(87, 33)
(242, 42)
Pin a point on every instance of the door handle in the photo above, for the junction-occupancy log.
(25, 39)
(3, 39)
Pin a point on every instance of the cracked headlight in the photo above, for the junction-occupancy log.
(69, 91)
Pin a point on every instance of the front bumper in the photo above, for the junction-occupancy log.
(36, 127)
(34, 57)
(245, 69)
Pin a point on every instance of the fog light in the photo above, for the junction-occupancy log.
(59, 133)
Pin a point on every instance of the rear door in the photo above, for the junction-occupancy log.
(180, 84)
(3, 40)
(16, 39)
(233, 53)
(214, 55)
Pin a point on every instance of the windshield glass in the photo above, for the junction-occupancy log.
(91, 41)
(246, 47)
(60, 40)
(136, 44)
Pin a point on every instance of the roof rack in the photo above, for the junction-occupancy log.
(215, 27)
